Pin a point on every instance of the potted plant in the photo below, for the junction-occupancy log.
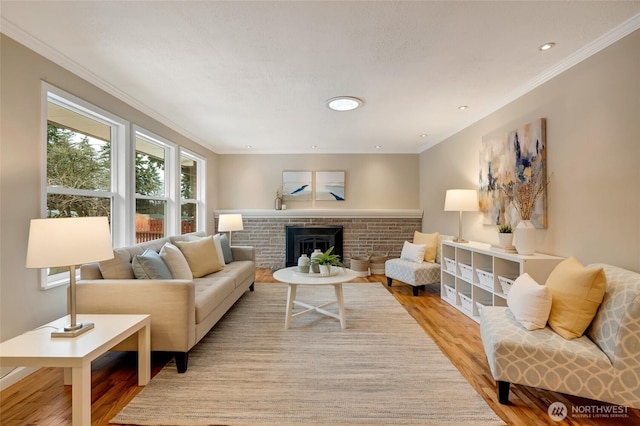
(326, 260)
(505, 235)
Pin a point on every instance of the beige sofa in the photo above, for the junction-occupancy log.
(182, 310)
(603, 364)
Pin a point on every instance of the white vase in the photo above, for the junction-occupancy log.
(303, 263)
(325, 270)
(525, 237)
(314, 266)
(506, 239)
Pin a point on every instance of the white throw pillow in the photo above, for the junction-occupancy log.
(530, 302)
(176, 262)
(218, 243)
(413, 252)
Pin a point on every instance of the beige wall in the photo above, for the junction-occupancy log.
(375, 181)
(593, 143)
(23, 305)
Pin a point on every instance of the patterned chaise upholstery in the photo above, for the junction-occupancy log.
(603, 364)
(416, 274)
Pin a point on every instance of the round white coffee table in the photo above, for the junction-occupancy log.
(293, 279)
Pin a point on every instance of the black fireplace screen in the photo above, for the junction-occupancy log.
(305, 239)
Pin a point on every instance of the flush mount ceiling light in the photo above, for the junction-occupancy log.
(546, 46)
(344, 103)
(463, 107)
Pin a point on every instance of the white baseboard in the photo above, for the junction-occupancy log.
(15, 376)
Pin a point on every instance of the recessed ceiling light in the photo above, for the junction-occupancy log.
(424, 135)
(463, 107)
(546, 46)
(344, 103)
(378, 146)
(248, 146)
(314, 146)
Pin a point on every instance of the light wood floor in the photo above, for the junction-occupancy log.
(42, 399)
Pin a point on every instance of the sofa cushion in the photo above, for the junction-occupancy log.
(226, 248)
(530, 302)
(176, 262)
(576, 294)
(201, 256)
(210, 292)
(431, 242)
(413, 252)
(239, 271)
(118, 268)
(149, 265)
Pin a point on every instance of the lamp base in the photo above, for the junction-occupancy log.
(72, 330)
(460, 240)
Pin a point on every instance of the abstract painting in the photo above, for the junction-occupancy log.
(330, 186)
(296, 186)
(507, 158)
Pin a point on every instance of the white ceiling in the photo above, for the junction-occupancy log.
(232, 74)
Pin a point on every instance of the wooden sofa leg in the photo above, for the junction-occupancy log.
(503, 392)
(182, 359)
(252, 286)
(389, 281)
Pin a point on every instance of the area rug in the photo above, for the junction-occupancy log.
(249, 370)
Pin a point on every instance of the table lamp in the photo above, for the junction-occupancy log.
(461, 200)
(230, 223)
(67, 242)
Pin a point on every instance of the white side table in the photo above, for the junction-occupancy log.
(293, 279)
(37, 348)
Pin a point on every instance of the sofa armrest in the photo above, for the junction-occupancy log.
(170, 303)
(243, 253)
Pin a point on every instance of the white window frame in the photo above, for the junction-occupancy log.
(119, 131)
(172, 213)
(201, 190)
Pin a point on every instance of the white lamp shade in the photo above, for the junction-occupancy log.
(463, 200)
(68, 241)
(230, 222)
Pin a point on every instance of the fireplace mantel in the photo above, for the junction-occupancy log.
(325, 213)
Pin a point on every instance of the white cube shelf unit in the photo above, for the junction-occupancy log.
(472, 273)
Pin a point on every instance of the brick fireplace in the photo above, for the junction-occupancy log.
(364, 231)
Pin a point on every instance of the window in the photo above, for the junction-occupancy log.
(80, 174)
(93, 166)
(192, 192)
(155, 211)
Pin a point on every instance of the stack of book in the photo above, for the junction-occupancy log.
(504, 249)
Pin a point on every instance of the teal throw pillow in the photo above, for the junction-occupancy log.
(150, 266)
(226, 248)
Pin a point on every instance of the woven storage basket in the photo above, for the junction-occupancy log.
(376, 264)
(360, 265)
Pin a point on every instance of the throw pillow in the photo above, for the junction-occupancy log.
(576, 293)
(218, 243)
(226, 248)
(413, 252)
(118, 268)
(431, 241)
(149, 265)
(530, 302)
(201, 256)
(176, 262)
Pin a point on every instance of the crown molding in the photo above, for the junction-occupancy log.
(606, 40)
(48, 52)
(325, 213)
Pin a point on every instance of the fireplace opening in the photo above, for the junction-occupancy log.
(305, 239)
